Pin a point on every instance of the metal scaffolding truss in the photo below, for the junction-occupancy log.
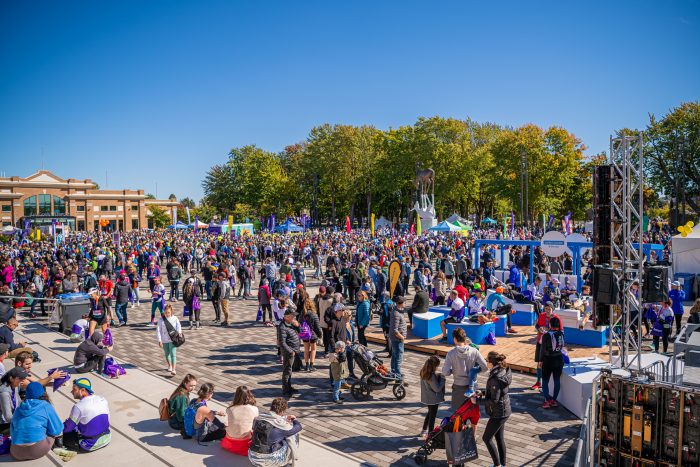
(627, 262)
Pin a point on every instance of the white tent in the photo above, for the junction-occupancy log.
(686, 252)
(382, 222)
(200, 224)
(456, 217)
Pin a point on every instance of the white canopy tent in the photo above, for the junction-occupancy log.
(686, 252)
(382, 222)
(456, 217)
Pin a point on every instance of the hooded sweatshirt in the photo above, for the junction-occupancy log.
(89, 348)
(121, 290)
(459, 361)
(33, 421)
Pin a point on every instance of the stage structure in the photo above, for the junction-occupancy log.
(626, 256)
(425, 197)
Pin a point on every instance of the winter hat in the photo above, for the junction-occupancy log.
(34, 390)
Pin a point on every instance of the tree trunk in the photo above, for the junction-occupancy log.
(333, 207)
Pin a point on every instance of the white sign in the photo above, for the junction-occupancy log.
(553, 243)
(576, 238)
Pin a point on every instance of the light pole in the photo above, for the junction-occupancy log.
(524, 182)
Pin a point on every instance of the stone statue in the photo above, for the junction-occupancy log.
(425, 195)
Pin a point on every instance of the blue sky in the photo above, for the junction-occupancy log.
(159, 91)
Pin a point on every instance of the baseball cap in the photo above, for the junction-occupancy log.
(477, 287)
(4, 348)
(676, 283)
(289, 311)
(549, 304)
(17, 372)
(83, 383)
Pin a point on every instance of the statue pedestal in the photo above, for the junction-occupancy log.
(427, 216)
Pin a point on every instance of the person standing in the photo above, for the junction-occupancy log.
(397, 335)
(216, 296)
(192, 289)
(432, 392)
(552, 361)
(459, 362)
(497, 407)
(174, 276)
(225, 297)
(662, 326)
(288, 338)
(542, 325)
(677, 296)
(122, 290)
(164, 340)
(157, 299)
(362, 316)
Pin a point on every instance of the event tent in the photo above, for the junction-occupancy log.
(488, 220)
(199, 225)
(381, 223)
(686, 252)
(179, 226)
(457, 218)
(445, 226)
(288, 226)
(462, 226)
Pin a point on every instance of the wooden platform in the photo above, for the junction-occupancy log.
(519, 348)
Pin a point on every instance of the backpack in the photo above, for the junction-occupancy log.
(261, 432)
(163, 410)
(305, 332)
(188, 430)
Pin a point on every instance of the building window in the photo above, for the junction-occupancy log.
(6, 208)
(30, 206)
(104, 208)
(59, 206)
(135, 207)
(80, 208)
(134, 224)
(81, 225)
(45, 204)
(112, 208)
(96, 225)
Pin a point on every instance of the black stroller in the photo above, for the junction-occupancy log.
(375, 376)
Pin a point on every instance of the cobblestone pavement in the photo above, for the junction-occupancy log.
(381, 430)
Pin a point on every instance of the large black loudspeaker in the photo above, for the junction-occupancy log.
(605, 287)
(655, 287)
(602, 175)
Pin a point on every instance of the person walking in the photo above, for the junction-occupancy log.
(216, 296)
(432, 392)
(157, 299)
(264, 300)
(174, 276)
(164, 340)
(397, 335)
(122, 290)
(459, 362)
(310, 333)
(288, 338)
(191, 296)
(677, 296)
(552, 361)
(497, 407)
(225, 297)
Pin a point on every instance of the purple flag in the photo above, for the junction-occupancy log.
(551, 221)
(512, 224)
(272, 223)
(196, 221)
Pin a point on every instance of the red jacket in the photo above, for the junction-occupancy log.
(543, 322)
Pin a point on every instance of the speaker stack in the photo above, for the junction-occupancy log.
(647, 424)
(605, 289)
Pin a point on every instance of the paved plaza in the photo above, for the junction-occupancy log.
(380, 431)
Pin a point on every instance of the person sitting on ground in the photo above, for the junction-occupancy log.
(25, 360)
(87, 427)
(200, 421)
(4, 353)
(7, 337)
(35, 425)
(456, 313)
(179, 400)
(79, 330)
(241, 414)
(9, 385)
(91, 354)
(275, 437)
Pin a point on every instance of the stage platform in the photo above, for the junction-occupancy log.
(519, 348)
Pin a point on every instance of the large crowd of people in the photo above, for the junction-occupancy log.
(164, 267)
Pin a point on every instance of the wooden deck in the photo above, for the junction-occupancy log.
(519, 348)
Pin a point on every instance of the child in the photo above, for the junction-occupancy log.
(339, 370)
(662, 326)
(432, 392)
(79, 330)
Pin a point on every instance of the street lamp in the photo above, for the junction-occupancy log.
(524, 182)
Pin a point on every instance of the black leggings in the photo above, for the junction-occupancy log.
(429, 422)
(494, 429)
(664, 338)
(679, 319)
(94, 363)
(194, 314)
(440, 300)
(265, 310)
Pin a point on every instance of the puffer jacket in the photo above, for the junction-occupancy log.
(496, 392)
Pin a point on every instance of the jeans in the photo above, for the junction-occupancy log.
(41, 303)
(175, 290)
(120, 310)
(287, 372)
(473, 373)
(336, 389)
(548, 371)
(135, 294)
(207, 288)
(396, 356)
(494, 429)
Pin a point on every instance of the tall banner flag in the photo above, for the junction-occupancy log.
(26, 228)
(196, 221)
(187, 210)
(394, 274)
(419, 228)
(272, 223)
(347, 224)
(551, 221)
(505, 226)
(303, 221)
(567, 224)
(512, 225)
(371, 223)
(413, 229)
(53, 231)
(230, 224)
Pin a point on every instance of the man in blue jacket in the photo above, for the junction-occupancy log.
(514, 276)
(677, 296)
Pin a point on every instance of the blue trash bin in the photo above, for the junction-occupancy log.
(686, 279)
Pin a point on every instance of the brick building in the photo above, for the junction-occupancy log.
(79, 204)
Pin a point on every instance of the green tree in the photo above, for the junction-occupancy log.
(158, 216)
(187, 203)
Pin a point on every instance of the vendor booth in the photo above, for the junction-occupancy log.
(287, 227)
(686, 252)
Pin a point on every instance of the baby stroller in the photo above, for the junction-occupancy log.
(436, 439)
(375, 375)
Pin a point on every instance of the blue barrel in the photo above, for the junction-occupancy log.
(686, 279)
